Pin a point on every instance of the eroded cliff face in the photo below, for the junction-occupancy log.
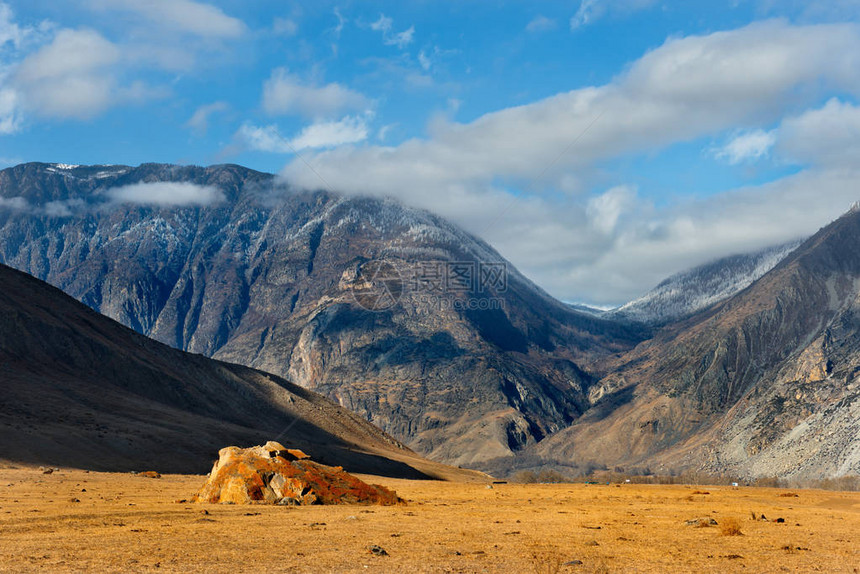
(267, 277)
(765, 383)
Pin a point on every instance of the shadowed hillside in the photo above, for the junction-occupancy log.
(78, 389)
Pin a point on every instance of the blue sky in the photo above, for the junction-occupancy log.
(600, 145)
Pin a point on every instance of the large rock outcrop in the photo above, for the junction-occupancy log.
(274, 474)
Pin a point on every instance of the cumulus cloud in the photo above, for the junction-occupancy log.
(70, 77)
(187, 16)
(603, 211)
(745, 147)
(199, 121)
(657, 242)
(688, 88)
(826, 136)
(286, 94)
(390, 38)
(263, 138)
(349, 130)
(166, 194)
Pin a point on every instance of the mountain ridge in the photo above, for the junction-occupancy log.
(267, 277)
(764, 383)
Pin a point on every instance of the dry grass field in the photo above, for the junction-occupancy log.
(99, 522)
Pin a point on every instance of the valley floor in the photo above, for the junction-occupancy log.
(76, 521)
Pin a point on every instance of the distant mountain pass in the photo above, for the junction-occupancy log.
(765, 383)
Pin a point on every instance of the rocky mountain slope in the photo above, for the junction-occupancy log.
(765, 383)
(444, 344)
(78, 389)
(684, 293)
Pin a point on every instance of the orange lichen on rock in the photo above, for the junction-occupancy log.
(274, 474)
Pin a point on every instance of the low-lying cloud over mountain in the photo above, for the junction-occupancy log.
(556, 149)
(708, 131)
(166, 193)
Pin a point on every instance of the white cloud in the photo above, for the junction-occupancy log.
(78, 74)
(14, 203)
(404, 38)
(427, 59)
(263, 138)
(51, 209)
(199, 121)
(319, 135)
(64, 207)
(584, 14)
(341, 22)
(197, 18)
(386, 25)
(167, 194)
(16, 35)
(604, 210)
(748, 146)
(10, 32)
(826, 136)
(541, 24)
(687, 89)
(285, 27)
(73, 52)
(351, 129)
(383, 131)
(70, 77)
(656, 243)
(424, 60)
(286, 94)
(10, 116)
(591, 10)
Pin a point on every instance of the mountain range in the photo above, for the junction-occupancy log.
(265, 276)
(765, 383)
(745, 365)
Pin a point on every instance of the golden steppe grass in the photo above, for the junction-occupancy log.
(101, 522)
